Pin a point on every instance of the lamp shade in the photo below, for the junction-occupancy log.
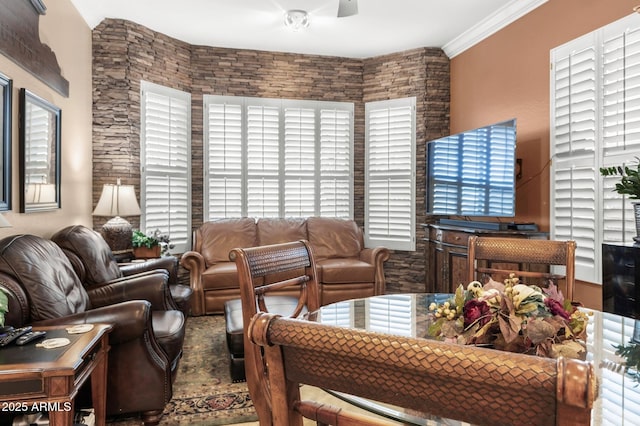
(40, 193)
(117, 200)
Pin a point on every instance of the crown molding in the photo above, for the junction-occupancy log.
(490, 25)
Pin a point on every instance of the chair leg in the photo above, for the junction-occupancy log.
(151, 418)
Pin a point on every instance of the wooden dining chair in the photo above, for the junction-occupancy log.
(467, 383)
(262, 271)
(529, 259)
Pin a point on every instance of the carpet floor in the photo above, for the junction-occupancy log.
(203, 393)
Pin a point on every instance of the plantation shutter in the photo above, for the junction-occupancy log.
(223, 160)
(263, 162)
(595, 96)
(277, 158)
(574, 132)
(299, 162)
(335, 163)
(390, 174)
(165, 162)
(620, 124)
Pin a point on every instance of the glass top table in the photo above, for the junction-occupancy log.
(618, 401)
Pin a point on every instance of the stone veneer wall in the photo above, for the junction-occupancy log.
(423, 73)
(125, 53)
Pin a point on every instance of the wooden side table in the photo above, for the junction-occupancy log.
(38, 379)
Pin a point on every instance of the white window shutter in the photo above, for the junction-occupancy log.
(299, 162)
(390, 174)
(595, 122)
(223, 160)
(336, 134)
(165, 162)
(278, 158)
(263, 160)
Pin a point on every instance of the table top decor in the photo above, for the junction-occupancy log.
(513, 317)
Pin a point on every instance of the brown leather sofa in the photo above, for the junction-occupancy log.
(147, 337)
(95, 264)
(346, 269)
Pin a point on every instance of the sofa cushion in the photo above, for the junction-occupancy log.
(222, 275)
(277, 231)
(96, 259)
(218, 238)
(344, 271)
(46, 274)
(333, 238)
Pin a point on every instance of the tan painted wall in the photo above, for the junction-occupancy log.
(507, 75)
(65, 32)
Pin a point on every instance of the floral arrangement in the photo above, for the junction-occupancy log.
(512, 317)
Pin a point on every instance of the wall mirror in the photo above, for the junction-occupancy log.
(6, 90)
(39, 154)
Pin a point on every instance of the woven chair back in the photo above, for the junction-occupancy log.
(467, 383)
(527, 258)
(263, 270)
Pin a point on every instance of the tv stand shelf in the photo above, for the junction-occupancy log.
(446, 252)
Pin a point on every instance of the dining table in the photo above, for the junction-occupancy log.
(618, 399)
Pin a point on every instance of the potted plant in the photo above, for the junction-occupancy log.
(150, 246)
(629, 185)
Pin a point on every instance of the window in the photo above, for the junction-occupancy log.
(390, 173)
(595, 93)
(165, 140)
(277, 158)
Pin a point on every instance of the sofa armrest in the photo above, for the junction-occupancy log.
(168, 263)
(152, 287)
(130, 320)
(377, 256)
(194, 263)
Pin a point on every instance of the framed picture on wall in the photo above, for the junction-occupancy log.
(40, 138)
(6, 91)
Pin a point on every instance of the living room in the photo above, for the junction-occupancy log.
(502, 76)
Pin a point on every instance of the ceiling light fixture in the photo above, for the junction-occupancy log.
(296, 19)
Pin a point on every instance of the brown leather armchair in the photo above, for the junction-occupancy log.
(95, 264)
(147, 338)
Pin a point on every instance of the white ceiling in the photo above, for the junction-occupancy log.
(380, 27)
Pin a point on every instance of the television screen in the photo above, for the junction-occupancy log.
(472, 173)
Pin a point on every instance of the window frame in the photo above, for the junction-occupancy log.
(178, 96)
(391, 240)
(317, 176)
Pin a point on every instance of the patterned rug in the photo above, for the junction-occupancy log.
(203, 393)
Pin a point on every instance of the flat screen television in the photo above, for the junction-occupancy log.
(472, 173)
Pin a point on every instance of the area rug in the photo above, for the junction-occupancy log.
(203, 393)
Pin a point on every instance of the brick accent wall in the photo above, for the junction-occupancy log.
(125, 53)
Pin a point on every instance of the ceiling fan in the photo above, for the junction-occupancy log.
(347, 8)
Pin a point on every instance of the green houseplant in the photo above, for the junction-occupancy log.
(146, 246)
(629, 185)
(629, 179)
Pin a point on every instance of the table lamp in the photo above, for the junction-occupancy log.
(116, 201)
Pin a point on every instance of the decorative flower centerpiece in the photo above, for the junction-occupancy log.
(512, 317)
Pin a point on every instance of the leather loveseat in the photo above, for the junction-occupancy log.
(147, 336)
(346, 269)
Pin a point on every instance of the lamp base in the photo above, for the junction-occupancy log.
(117, 232)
